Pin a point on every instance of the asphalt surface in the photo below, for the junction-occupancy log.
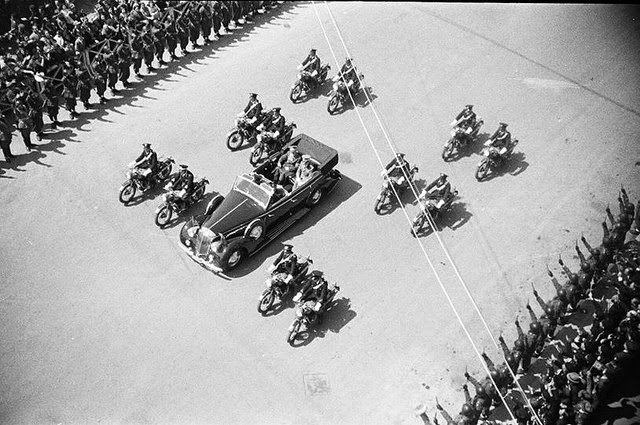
(104, 319)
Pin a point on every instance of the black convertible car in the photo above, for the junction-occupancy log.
(256, 210)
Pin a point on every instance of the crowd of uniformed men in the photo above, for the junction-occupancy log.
(580, 374)
(54, 53)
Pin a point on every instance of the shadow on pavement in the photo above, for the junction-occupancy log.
(334, 319)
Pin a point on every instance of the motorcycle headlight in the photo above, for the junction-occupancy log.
(129, 174)
(299, 76)
(237, 122)
(453, 133)
(335, 86)
(299, 313)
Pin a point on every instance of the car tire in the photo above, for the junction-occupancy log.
(232, 257)
(315, 197)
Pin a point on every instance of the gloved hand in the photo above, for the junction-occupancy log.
(297, 297)
(299, 67)
(288, 278)
(317, 307)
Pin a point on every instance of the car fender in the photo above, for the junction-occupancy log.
(251, 228)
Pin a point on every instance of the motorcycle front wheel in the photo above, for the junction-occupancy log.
(163, 216)
(293, 333)
(234, 141)
(127, 192)
(266, 301)
(380, 202)
(483, 170)
(447, 152)
(165, 171)
(256, 155)
(332, 106)
(296, 91)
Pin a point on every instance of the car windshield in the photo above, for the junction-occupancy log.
(259, 193)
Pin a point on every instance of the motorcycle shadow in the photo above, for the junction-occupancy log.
(280, 306)
(514, 166)
(393, 204)
(334, 319)
(195, 210)
(150, 194)
(323, 90)
(361, 101)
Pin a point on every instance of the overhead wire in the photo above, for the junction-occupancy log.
(431, 220)
(440, 283)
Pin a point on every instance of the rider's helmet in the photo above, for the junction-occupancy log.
(442, 178)
(146, 145)
(502, 126)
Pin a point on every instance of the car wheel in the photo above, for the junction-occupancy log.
(127, 192)
(315, 197)
(232, 258)
(234, 141)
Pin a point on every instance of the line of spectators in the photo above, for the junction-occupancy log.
(58, 54)
(580, 366)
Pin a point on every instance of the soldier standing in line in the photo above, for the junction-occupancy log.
(5, 140)
(100, 69)
(70, 87)
(25, 124)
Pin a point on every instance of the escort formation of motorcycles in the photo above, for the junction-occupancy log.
(292, 175)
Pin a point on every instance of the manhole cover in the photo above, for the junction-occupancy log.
(316, 384)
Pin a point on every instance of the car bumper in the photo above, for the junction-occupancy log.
(203, 262)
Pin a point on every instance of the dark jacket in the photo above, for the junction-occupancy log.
(151, 162)
(253, 109)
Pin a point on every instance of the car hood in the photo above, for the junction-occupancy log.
(235, 209)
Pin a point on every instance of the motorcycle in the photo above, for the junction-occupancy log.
(244, 131)
(306, 82)
(307, 315)
(268, 143)
(386, 194)
(173, 202)
(278, 287)
(460, 138)
(339, 95)
(493, 159)
(137, 180)
(434, 212)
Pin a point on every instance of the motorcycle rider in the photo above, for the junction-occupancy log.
(438, 190)
(253, 110)
(314, 289)
(273, 123)
(349, 75)
(311, 64)
(466, 118)
(147, 161)
(287, 262)
(397, 169)
(501, 139)
(183, 185)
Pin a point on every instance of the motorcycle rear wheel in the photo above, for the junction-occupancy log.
(293, 333)
(163, 216)
(127, 192)
(235, 140)
(266, 301)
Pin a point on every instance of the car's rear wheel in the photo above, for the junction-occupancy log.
(315, 197)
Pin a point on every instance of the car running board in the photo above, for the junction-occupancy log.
(280, 228)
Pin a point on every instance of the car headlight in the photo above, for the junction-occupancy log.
(299, 313)
(453, 133)
(335, 86)
(129, 174)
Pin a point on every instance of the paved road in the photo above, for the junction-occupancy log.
(104, 319)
